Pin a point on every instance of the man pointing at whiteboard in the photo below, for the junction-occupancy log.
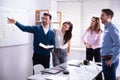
(42, 35)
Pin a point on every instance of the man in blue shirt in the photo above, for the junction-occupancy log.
(42, 34)
(110, 49)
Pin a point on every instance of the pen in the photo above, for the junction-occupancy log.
(8, 18)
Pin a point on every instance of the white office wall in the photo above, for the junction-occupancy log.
(115, 5)
(71, 12)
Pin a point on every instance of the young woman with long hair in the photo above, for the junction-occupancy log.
(92, 41)
(63, 43)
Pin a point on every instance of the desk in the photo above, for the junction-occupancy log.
(82, 72)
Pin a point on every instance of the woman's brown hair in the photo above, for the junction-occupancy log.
(68, 33)
(97, 28)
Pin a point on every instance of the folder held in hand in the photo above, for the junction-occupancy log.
(46, 46)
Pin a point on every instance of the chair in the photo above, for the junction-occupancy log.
(38, 68)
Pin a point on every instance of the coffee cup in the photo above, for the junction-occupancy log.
(86, 62)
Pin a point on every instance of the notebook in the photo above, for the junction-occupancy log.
(74, 63)
(45, 46)
(51, 71)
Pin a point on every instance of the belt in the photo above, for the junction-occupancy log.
(107, 57)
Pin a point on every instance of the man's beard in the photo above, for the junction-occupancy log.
(44, 23)
(103, 21)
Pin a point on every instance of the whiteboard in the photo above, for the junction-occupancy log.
(10, 34)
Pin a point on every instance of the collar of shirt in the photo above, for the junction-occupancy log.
(107, 25)
(45, 30)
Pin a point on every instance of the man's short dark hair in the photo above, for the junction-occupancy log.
(108, 12)
(47, 14)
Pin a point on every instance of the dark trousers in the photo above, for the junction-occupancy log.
(110, 72)
(94, 53)
(41, 59)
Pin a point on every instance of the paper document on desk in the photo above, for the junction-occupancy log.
(37, 77)
(55, 77)
(45, 46)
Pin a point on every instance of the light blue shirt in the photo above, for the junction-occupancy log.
(111, 42)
